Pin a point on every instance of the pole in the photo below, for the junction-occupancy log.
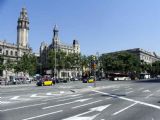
(55, 63)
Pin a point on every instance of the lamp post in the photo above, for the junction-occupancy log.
(55, 70)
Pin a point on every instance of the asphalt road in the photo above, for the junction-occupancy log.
(110, 100)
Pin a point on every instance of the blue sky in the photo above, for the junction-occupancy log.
(99, 25)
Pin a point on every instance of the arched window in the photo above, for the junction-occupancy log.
(15, 53)
(0, 50)
(11, 52)
(6, 52)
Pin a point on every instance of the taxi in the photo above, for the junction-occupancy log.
(91, 79)
(48, 82)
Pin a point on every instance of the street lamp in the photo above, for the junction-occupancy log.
(55, 70)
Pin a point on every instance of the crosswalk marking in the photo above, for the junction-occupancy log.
(4, 102)
(15, 98)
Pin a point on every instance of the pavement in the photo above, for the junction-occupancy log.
(109, 100)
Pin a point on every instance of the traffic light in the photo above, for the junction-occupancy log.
(93, 58)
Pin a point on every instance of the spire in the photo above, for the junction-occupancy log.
(55, 35)
(23, 15)
(55, 28)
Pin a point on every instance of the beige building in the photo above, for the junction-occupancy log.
(15, 51)
(58, 45)
(143, 55)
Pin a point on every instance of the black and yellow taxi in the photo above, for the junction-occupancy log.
(91, 79)
(48, 82)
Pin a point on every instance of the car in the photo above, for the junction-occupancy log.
(88, 80)
(39, 83)
(91, 79)
(48, 82)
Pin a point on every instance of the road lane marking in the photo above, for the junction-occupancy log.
(86, 104)
(128, 99)
(107, 98)
(15, 97)
(91, 110)
(69, 99)
(43, 115)
(148, 96)
(158, 90)
(35, 95)
(146, 91)
(129, 88)
(115, 89)
(81, 100)
(22, 107)
(4, 102)
(140, 88)
(124, 109)
(129, 92)
(59, 98)
(93, 94)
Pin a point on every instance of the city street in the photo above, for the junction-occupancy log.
(110, 100)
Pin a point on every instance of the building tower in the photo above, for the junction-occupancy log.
(55, 40)
(22, 29)
(76, 46)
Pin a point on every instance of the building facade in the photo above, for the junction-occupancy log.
(14, 52)
(143, 55)
(58, 45)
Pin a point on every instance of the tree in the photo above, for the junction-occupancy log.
(27, 64)
(120, 62)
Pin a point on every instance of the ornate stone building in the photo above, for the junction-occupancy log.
(15, 51)
(143, 55)
(58, 45)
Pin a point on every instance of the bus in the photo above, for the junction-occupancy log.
(118, 76)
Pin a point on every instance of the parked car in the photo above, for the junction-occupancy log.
(39, 83)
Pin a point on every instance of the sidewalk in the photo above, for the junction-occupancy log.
(19, 85)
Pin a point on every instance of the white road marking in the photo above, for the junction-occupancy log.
(61, 97)
(115, 89)
(69, 99)
(108, 98)
(22, 107)
(4, 102)
(81, 100)
(152, 118)
(146, 91)
(93, 94)
(17, 98)
(124, 109)
(78, 117)
(129, 88)
(158, 90)
(148, 96)
(49, 93)
(141, 88)
(35, 95)
(61, 92)
(86, 104)
(128, 99)
(129, 92)
(43, 115)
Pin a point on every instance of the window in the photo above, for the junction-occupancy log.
(6, 52)
(16, 53)
(0, 50)
(11, 52)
